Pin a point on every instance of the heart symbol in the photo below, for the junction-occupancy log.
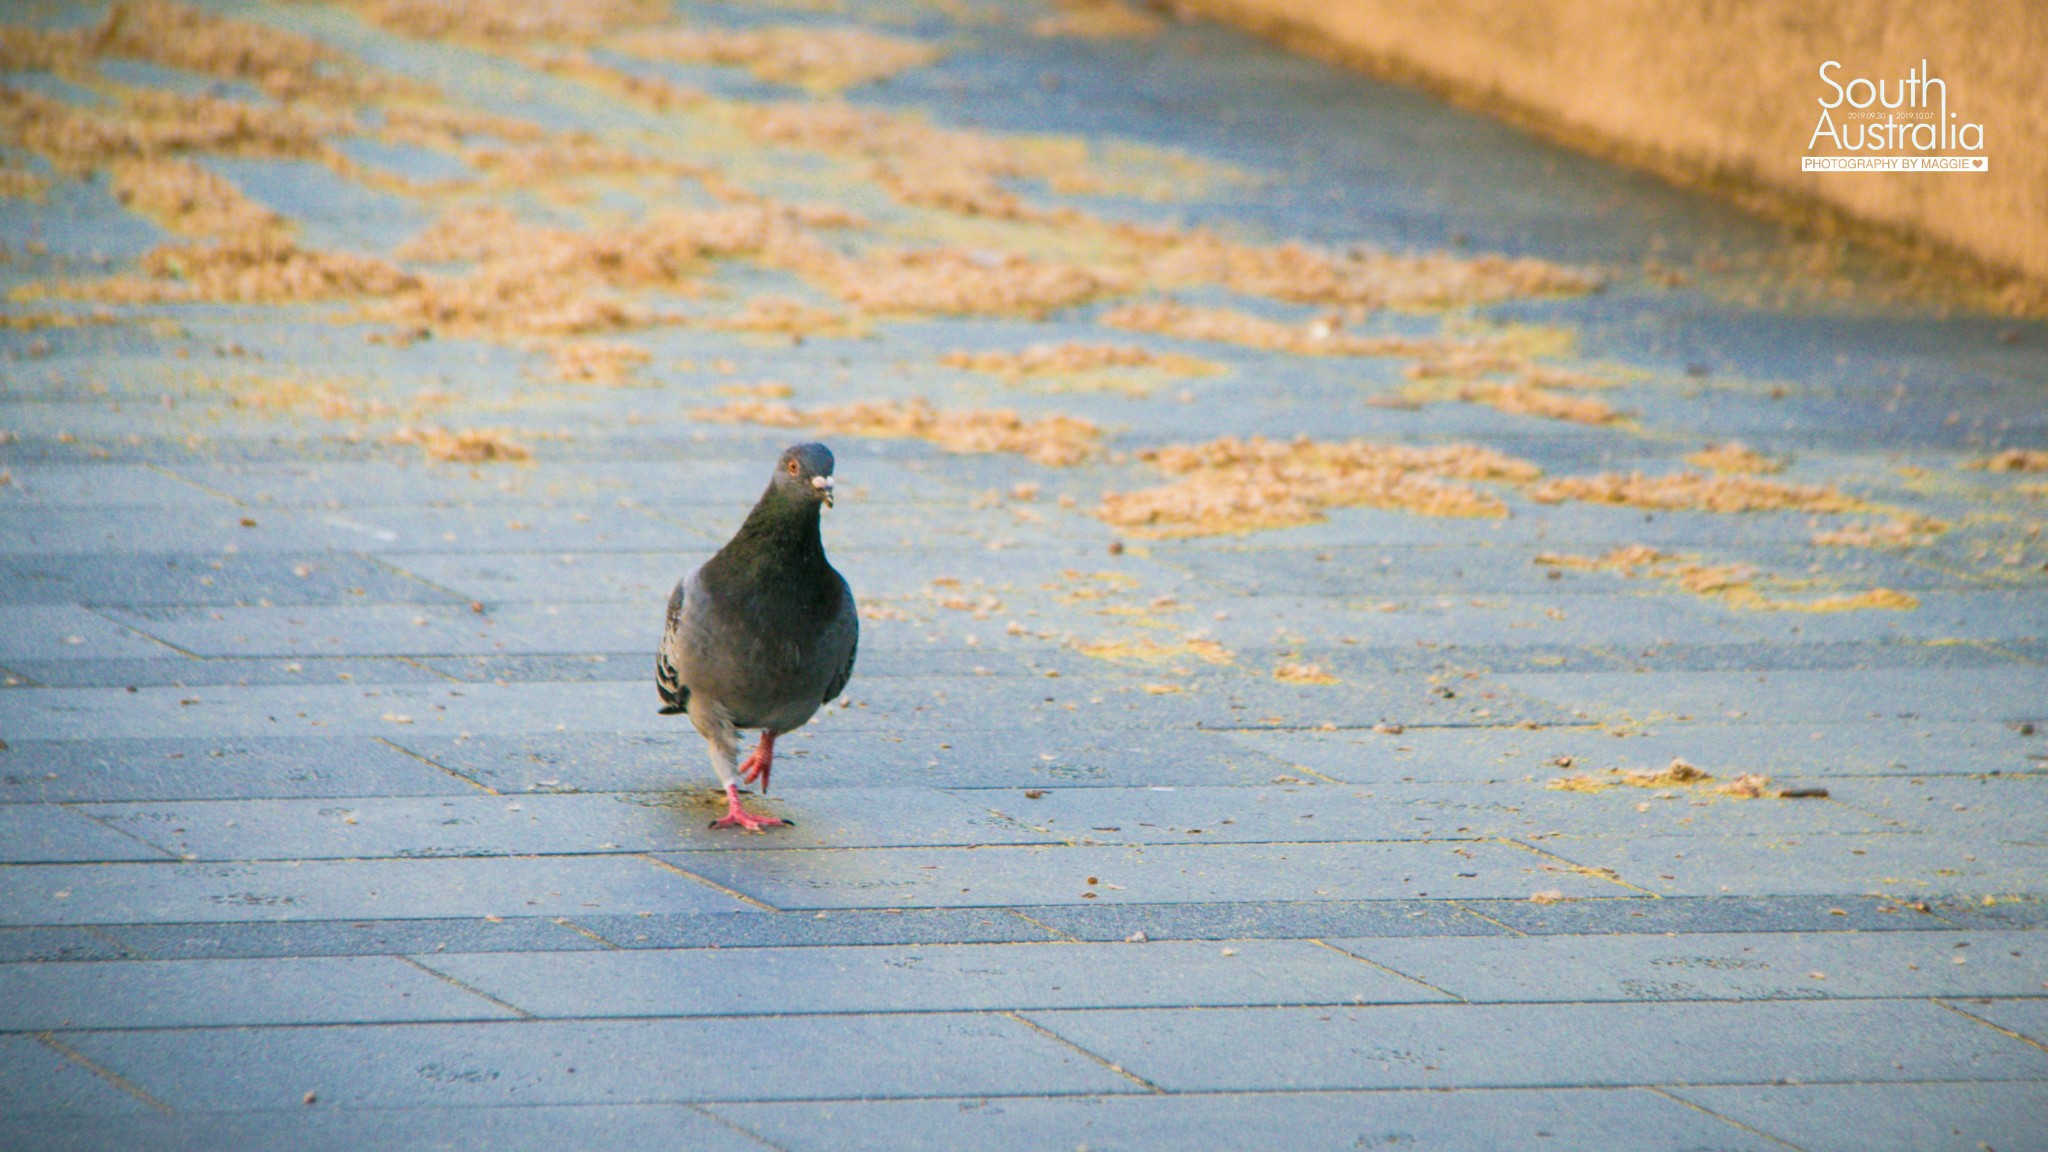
(1977, 163)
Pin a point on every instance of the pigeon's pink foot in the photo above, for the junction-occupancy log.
(754, 769)
(738, 817)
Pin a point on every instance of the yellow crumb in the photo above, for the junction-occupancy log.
(465, 446)
(1098, 20)
(1736, 457)
(2011, 460)
(597, 362)
(1145, 650)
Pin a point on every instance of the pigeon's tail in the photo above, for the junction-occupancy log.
(675, 695)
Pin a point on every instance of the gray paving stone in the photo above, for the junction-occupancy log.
(217, 940)
(820, 929)
(815, 758)
(939, 977)
(50, 834)
(217, 578)
(1902, 866)
(546, 824)
(43, 1082)
(2002, 694)
(225, 768)
(1962, 1117)
(333, 889)
(613, 1062)
(503, 577)
(2011, 807)
(322, 710)
(1685, 914)
(1264, 920)
(213, 993)
(1401, 811)
(26, 944)
(1721, 966)
(1166, 874)
(2011, 911)
(1809, 655)
(627, 1128)
(1943, 615)
(53, 532)
(1893, 748)
(1478, 1120)
(102, 485)
(65, 631)
(441, 629)
(177, 671)
(1542, 1045)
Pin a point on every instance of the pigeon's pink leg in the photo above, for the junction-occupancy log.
(759, 761)
(738, 817)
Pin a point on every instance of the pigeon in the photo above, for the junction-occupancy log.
(763, 634)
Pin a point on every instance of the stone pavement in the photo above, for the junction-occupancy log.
(335, 811)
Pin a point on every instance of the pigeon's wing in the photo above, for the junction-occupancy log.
(668, 680)
(849, 619)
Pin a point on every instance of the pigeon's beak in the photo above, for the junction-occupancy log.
(824, 486)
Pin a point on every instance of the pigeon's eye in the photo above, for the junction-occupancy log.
(793, 468)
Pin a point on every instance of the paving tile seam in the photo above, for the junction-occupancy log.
(708, 883)
(50, 1040)
(1501, 924)
(703, 1110)
(1944, 1002)
(1389, 969)
(1105, 1062)
(458, 982)
(229, 498)
(130, 629)
(579, 929)
(437, 765)
(1703, 1109)
(80, 809)
(1576, 868)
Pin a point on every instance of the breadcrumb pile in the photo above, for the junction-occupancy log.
(822, 60)
(2011, 460)
(1691, 491)
(466, 446)
(1055, 441)
(1226, 326)
(1232, 485)
(1733, 584)
(1074, 359)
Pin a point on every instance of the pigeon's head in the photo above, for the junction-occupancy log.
(805, 472)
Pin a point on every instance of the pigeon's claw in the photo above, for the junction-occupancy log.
(755, 768)
(738, 817)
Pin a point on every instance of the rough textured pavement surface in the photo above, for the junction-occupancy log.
(1467, 762)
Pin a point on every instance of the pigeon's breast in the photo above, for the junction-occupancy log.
(765, 664)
